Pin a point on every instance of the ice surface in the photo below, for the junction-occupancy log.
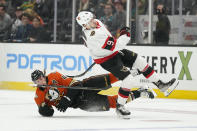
(18, 112)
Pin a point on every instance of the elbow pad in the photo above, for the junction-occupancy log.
(122, 41)
(46, 110)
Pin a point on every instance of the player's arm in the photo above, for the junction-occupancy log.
(71, 94)
(67, 81)
(67, 100)
(43, 108)
(124, 38)
(111, 42)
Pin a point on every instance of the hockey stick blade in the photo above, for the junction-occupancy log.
(83, 72)
(71, 87)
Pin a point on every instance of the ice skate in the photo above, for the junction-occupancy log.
(167, 87)
(146, 92)
(122, 111)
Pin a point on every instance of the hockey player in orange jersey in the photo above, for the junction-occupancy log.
(88, 100)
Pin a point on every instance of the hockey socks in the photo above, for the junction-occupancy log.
(123, 95)
(150, 74)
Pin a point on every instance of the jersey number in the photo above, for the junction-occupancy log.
(109, 43)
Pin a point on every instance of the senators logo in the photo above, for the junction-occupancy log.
(92, 33)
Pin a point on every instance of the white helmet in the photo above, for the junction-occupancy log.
(84, 17)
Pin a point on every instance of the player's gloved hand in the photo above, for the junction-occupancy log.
(45, 110)
(63, 104)
(125, 30)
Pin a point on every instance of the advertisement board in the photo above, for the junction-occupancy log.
(19, 60)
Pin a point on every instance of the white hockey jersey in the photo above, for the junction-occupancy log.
(101, 44)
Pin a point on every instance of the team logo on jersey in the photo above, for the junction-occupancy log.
(53, 94)
(92, 33)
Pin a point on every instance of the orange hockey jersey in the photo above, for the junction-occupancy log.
(54, 78)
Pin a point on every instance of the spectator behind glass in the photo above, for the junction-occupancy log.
(119, 18)
(5, 23)
(194, 8)
(23, 31)
(99, 8)
(3, 2)
(142, 7)
(38, 6)
(33, 14)
(38, 34)
(28, 4)
(17, 20)
(86, 5)
(16, 3)
(109, 1)
(124, 3)
(107, 18)
(162, 32)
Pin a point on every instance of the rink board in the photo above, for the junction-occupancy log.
(19, 60)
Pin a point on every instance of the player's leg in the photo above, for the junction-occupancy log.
(150, 74)
(132, 60)
(93, 102)
(116, 67)
(134, 94)
(103, 80)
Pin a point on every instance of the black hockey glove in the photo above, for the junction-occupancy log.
(125, 30)
(63, 104)
(45, 110)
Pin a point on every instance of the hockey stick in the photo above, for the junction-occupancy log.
(83, 72)
(71, 87)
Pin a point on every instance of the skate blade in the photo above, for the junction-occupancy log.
(123, 116)
(171, 89)
(127, 117)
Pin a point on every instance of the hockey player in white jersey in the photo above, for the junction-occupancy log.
(109, 52)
